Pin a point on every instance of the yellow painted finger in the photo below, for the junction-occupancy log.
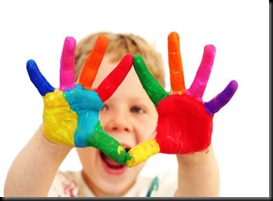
(142, 152)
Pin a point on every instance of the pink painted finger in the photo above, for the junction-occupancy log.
(202, 76)
(175, 64)
(108, 86)
(67, 64)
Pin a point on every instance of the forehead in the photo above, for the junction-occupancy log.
(130, 86)
(107, 65)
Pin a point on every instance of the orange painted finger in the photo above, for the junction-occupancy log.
(93, 61)
(175, 64)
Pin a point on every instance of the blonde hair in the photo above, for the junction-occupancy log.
(122, 44)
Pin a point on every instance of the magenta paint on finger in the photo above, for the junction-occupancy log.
(67, 63)
(199, 84)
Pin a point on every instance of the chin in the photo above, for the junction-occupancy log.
(106, 177)
(117, 179)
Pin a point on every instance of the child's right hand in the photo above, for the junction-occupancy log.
(71, 113)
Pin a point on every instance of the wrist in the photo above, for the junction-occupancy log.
(194, 158)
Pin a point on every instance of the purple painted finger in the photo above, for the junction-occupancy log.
(67, 64)
(199, 84)
(221, 99)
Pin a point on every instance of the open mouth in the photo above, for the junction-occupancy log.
(110, 164)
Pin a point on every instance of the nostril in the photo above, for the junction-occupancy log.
(114, 128)
(120, 128)
(127, 129)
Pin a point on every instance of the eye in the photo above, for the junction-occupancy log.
(138, 110)
(104, 107)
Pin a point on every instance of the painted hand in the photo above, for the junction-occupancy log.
(71, 112)
(185, 121)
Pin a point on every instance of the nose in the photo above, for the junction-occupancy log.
(118, 121)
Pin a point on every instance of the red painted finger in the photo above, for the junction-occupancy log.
(108, 86)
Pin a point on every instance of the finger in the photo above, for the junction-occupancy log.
(107, 144)
(38, 79)
(93, 62)
(221, 99)
(114, 79)
(67, 64)
(142, 152)
(149, 83)
(175, 64)
(202, 76)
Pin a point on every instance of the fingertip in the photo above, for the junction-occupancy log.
(231, 88)
(31, 66)
(121, 155)
(71, 41)
(210, 49)
(233, 84)
(137, 57)
(128, 61)
(128, 58)
(130, 160)
(69, 46)
(173, 43)
(30, 63)
(103, 39)
(173, 36)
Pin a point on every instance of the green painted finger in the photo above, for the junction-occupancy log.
(107, 144)
(154, 90)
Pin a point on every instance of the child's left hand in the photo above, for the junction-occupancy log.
(185, 121)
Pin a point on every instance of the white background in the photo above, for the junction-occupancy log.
(239, 30)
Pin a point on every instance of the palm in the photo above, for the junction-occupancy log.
(71, 112)
(71, 116)
(184, 126)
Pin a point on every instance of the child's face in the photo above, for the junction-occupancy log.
(130, 117)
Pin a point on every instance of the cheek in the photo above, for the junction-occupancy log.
(146, 128)
(87, 155)
(103, 118)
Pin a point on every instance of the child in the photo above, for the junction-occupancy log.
(130, 117)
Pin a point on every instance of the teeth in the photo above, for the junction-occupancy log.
(115, 167)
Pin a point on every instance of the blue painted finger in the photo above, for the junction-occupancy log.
(38, 79)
